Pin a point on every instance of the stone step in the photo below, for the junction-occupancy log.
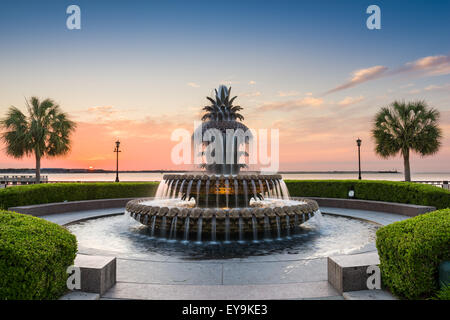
(145, 291)
(79, 295)
(368, 295)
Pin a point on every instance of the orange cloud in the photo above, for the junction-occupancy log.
(288, 93)
(350, 100)
(292, 104)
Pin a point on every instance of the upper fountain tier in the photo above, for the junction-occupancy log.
(222, 115)
(222, 191)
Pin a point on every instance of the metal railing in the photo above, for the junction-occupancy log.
(441, 184)
(18, 180)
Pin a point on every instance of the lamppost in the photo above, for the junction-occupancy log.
(358, 142)
(116, 150)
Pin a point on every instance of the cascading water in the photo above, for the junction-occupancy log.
(261, 187)
(236, 192)
(199, 185)
(241, 229)
(245, 191)
(227, 228)
(207, 192)
(296, 222)
(213, 229)
(277, 184)
(199, 229)
(160, 190)
(188, 192)
(277, 221)
(186, 229)
(167, 193)
(173, 229)
(254, 190)
(255, 228)
(266, 228)
(152, 230)
(163, 227)
(227, 187)
(284, 189)
(174, 194)
(180, 194)
(269, 191)
(217, 194)
(274, 190)
(288, 227)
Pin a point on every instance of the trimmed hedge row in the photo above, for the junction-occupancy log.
(58, 192)
(410, 253)
(389, 191)
(34, 256)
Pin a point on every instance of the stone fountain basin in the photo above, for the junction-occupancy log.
(271, 213)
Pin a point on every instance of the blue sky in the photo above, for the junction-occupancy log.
(155, 61)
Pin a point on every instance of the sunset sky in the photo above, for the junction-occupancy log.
(137, 70)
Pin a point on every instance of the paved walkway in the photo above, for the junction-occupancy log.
(223, 279)
(75, 216)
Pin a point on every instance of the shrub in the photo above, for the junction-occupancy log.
(34, 256)
(410, 253)
(444, 293)
(58, 192)
(389, 191)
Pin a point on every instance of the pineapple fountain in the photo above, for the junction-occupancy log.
(222, 203)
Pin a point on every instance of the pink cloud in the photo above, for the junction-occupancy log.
(426, 66)
(361, 75)
(431, 65)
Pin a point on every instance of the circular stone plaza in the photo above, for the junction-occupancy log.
(304, 264)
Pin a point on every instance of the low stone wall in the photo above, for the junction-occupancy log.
(410, 210)
(71, 206)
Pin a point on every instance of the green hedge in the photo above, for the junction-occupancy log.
(34, 256)
(390, 191)
(443, 294)
(58, 192)
(410, 253)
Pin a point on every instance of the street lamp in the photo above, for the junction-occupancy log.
(358, 142)
(116, 150)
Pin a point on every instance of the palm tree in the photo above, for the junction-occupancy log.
(403, 127)
(44, 132)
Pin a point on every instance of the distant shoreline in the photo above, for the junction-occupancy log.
(63, 170)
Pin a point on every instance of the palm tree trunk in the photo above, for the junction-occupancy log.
(406, 165)
(38, 168)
